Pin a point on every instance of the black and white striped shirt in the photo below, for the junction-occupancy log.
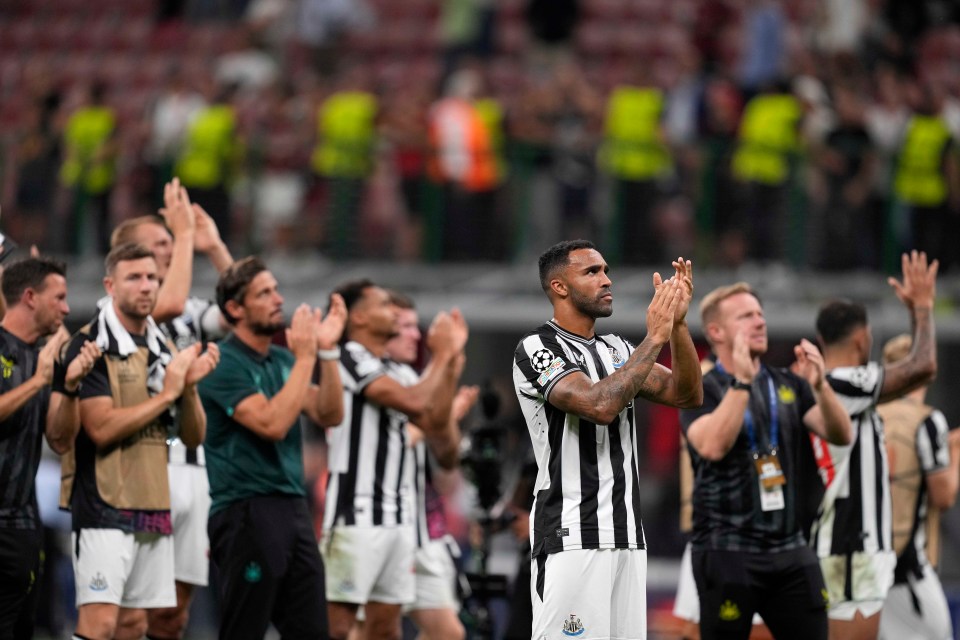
(855, 514)
(587, 494)
(370, 479)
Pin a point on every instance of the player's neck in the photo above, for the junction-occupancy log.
(257, 342)
(574, 322)
(841, 356)
(135, 326)
(375, 344)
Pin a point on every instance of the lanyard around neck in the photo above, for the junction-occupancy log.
(748, 420)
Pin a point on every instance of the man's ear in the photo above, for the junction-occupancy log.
(234, 310)
(714, 333)
(29, 297)
(108, 285)
(559, 288)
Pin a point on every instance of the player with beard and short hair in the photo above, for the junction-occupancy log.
(115, 476)
(261, 534)
(368, 540)
(578, 391)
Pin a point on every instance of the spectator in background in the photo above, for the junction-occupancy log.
(36, 159)
(89, 167)
(762, 57)
(927, 178)
(846, 164)
(924, 455)
(551, 24)
(465, 165)
(246, 64)
(635, 155)
(323, 24)
(763, 163)
(208, 161)
(466, 30)
(169, 118)
(344, 156)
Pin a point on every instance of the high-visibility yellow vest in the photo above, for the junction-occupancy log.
(346, 131)
(767, 138)
(491, 114)
(87, 132)
(209, 148)
(919, 180)
(632, 149)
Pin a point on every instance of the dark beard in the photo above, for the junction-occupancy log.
(266, 328)
(591, 307)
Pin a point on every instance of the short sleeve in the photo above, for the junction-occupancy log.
(714, 387)
(230, 383)
(95, 384)
(361, 366)
(932, 447)
(541, 362)
(857, 387)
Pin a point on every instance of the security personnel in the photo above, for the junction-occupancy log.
(768, 139)
(635, 155)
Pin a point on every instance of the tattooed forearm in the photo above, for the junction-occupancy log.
(920, 366)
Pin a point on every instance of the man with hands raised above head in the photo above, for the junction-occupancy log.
(578, 392)
(746, 444)
(261, 533)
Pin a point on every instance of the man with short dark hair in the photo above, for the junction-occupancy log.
(852, 535)
(578, 392)
(35, 292)
(747, 445)
(116, 483)
(261, 534)
(181, 229)
(368, 540)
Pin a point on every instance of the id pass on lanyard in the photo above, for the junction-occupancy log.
(769, 472)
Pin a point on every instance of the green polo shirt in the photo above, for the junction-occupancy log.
(241, 464)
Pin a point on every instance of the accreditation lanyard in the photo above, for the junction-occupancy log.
(769, 472)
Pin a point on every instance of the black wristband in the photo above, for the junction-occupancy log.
(740, 385)
(71, 394)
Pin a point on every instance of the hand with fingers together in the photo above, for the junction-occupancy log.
(745, 366)
(330, 328)
(81, 365)
(662, 310)
(809, 364)
(683, 272)
(177, 212)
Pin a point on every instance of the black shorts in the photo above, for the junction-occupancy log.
(270, 570)
(20, 555)
(786, 588)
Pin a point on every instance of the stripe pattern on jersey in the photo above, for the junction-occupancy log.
(587, 488)
(370, 479)
(856, 514)
(933, 453)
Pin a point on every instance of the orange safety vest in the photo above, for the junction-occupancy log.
(463, 147)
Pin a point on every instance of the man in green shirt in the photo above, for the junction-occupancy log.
(261, 533)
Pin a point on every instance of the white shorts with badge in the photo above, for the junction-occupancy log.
(435, 577)
(901, 620)
(590, 594)
(369, 564)
(189, 509)
(871, 577)
(133, 570)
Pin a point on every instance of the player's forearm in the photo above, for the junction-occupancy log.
(193, 421)
(119, 423)
(428, 396)
(325, 400)
(175, 289)
(685, 365)
(439, 412)
(13, 400)
(219, 256)
(836, 421)
(610, 395)
(62, 422)
(284, 409)
(713, 435)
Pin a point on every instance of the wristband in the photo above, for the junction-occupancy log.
(329, 354)
(740, 385)
(72, 394)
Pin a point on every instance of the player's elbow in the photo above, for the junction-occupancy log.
(331, 417)
(691, 400)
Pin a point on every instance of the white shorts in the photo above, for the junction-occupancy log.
(435, 577)
(369, 564)
(871, 576)
(132, 570)
(189, 508)
(901, 621)
(590, 594)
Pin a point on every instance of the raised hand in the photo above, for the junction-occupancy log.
(683, 273)
(177, 211)
(175, 376)
(809, 364)
(330, 328)
(745, 368)
(207, 236)
(464, 400)
(302, 334)
(461, 332)
(440, 336)
(919, 286)
(204, 365)
(81, 365)
(49, 353)
(663, 308)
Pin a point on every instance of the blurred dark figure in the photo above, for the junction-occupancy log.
(849, 233)
(36, 158)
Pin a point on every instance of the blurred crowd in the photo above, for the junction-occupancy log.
(732, 130)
